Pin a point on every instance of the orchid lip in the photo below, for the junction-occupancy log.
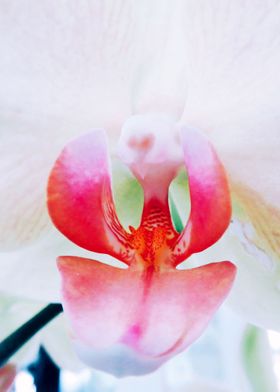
(104, 303)
(119, 360)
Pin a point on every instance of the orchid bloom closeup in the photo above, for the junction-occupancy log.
(66, 68)
(131, 320)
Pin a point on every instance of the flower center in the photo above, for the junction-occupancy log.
(155, 237)
(149, 146)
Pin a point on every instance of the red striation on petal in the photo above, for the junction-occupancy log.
(155, 237)
(80, 199)
(210, 197)
(156, 314)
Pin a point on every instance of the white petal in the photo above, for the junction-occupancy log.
(63, 70)
(13, 313)
(65, 60)
(256, 291)
(31, 271)
(234, 94)
(118, 360)
(56, 340)
(234, 87)
(27, 150)
(86, 61)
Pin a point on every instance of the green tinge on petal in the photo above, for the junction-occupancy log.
(128, 195)
(257, 360)
(259, 220)
(177, 221)
(179, 201)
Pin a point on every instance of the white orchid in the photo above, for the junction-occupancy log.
(68, 68)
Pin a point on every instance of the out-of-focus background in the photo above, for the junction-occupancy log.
(231, 356)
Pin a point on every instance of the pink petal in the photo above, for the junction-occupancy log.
(7, 376)
(181, 305)
(80, 199)
(154, 314)
(100, 300)
(209, 193)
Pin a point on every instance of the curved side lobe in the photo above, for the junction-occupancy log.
(80, 199)
(209, 193)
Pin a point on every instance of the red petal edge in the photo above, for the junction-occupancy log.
(209, 193)
(80, 198)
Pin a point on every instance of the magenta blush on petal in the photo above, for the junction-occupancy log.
(209, 193)
(129, 321)
(95, 291)
(80, 200)
(121, 311)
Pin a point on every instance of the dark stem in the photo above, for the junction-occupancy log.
(45, 373)
(19, 337)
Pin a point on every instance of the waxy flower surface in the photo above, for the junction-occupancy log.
(67, 68)
(130, 320)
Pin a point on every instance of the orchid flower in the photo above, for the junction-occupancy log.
(129, 321)
(66, 69)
